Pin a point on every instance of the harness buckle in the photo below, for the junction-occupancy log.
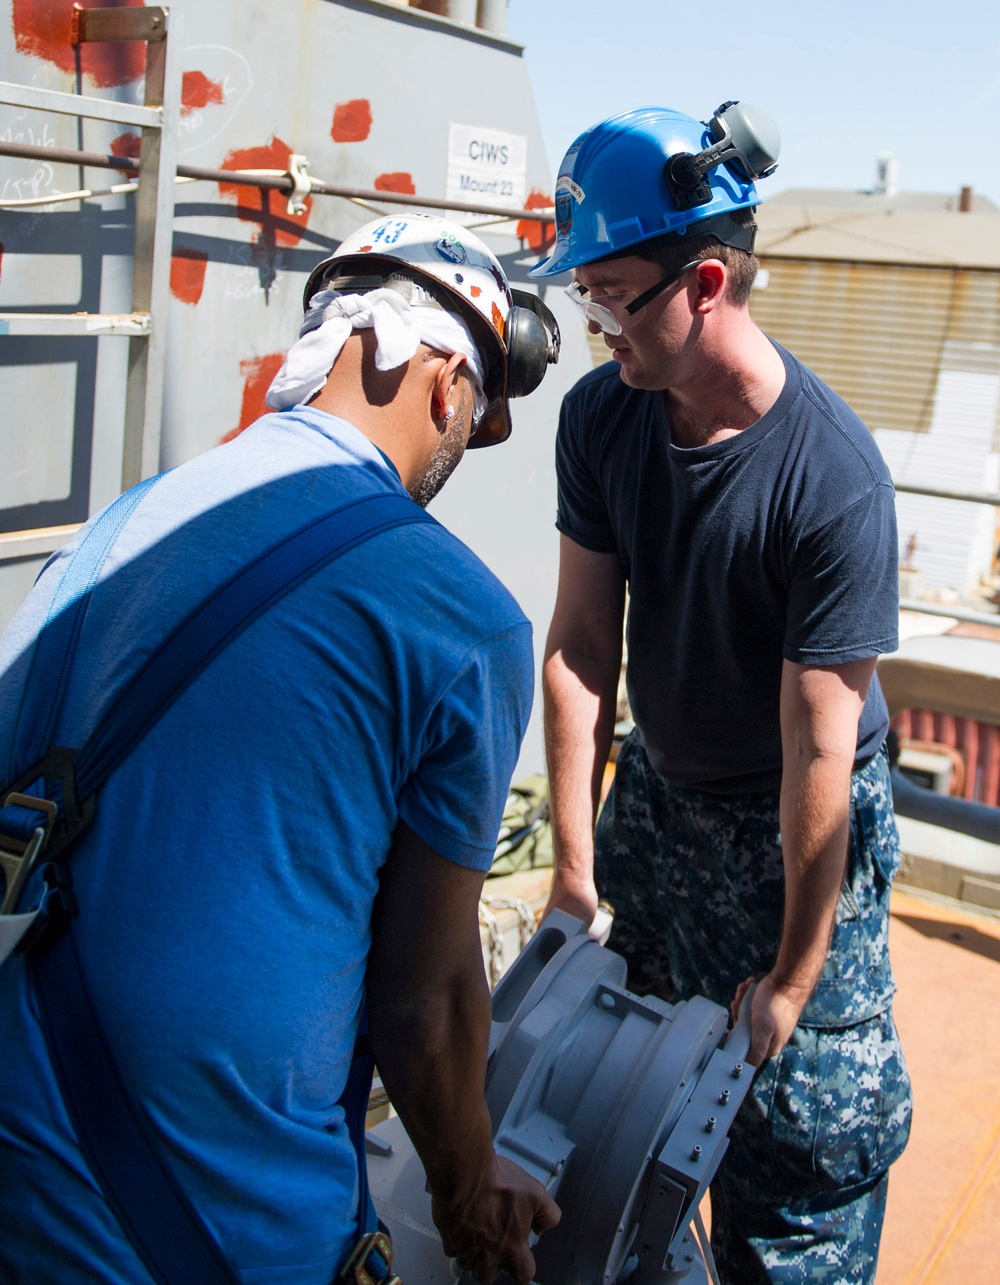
(23, 842)
(57, 906)
(370, 1262)
(19, 856)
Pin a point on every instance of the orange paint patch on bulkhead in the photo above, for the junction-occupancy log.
(257, 374)
(42, 29)
(187, 274)
(198, 91)
(257, 204)
(127, 145)
(538, 236)
(352, 122)
(398, 181)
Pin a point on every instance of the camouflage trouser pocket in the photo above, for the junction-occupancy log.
(840, 1106)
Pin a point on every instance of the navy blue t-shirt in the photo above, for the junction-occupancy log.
(776, 544)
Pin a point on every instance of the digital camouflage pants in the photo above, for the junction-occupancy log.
(697, 883)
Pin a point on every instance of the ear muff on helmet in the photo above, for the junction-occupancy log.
(532, 340)
(532, 337)
(653, 171)
(745, 137)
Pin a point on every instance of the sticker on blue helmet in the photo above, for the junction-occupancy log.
(566, 184)
(564, 212)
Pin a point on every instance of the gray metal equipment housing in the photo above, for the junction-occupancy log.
(619, 1104)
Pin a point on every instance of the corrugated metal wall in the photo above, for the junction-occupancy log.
(877, 333)
(954, 541)
(916, 351)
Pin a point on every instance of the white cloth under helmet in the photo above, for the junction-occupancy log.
(400, 327)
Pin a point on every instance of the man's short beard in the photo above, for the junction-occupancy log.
(446, 455)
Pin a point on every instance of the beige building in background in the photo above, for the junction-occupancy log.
(895, 302)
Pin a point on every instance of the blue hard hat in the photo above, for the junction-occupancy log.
(653, 171)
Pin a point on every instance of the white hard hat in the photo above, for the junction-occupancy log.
(515, 338)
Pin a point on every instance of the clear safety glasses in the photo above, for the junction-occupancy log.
(608, 311)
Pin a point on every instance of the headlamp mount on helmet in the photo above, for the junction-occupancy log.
(654, 172)
(745, 137)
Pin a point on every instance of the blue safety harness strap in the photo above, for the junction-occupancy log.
(115, 1135)
(214, 625)
(43, 693)
(355, 1103)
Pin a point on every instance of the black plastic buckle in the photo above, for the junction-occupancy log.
(65, 819)
(19, 856)
(56, 774)
(688, 183)
(370, 1262)
(57, 906)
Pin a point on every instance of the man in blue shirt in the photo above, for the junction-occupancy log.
(308, 826)
(749, 832)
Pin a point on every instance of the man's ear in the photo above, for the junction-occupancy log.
(711, 276)
(444, 392)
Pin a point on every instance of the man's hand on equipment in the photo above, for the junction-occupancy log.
(774, 1014)
(429, 1010)
(577, 897)
(820, 709)
(487, 1231)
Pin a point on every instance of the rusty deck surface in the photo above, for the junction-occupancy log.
(943, 1211)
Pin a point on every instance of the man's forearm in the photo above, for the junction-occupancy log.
(820, 709)
(429, 1011)
(815, 801)
(583, 654)
(815, 812)
(431, 1054)
(580, 698)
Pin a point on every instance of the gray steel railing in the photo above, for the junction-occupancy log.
(936, 609)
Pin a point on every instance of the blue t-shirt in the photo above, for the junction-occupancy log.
(226, 886)
(778, 543)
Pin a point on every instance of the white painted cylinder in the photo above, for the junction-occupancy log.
(457, 10)
(491, 15)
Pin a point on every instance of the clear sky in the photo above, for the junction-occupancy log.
(844, 80)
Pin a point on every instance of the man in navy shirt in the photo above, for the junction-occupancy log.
(306, 830)
(749, 832)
